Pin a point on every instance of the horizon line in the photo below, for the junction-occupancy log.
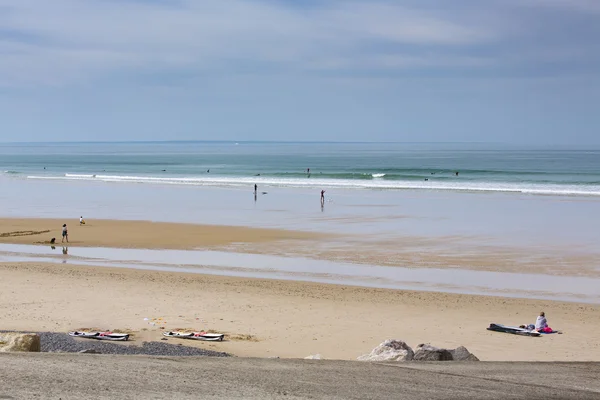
(262, 141)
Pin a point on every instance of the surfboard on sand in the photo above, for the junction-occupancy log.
(101, 335)
(512, 330)
(213, 337)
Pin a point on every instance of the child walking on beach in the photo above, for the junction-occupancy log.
(65, 233)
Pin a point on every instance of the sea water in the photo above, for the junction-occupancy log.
(480, 167)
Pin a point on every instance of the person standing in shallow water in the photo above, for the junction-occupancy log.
(65, 233)
(322, 197)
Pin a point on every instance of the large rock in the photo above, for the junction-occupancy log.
(462, 354)
(426, 352)
(14, 341)
(390, 350)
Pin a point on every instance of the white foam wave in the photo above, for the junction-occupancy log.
(377, 175)
(377, 184)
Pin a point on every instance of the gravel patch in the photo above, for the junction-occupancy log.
(53, 342)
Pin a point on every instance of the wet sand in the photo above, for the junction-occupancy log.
(141, 234)
(270, 318)
(456, 252)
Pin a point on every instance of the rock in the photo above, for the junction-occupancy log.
(313, 357)
(462, 354)
(89, 351)
(426, 352)
(390, 350)
(15, 341)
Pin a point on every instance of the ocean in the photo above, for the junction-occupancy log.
(370, 166)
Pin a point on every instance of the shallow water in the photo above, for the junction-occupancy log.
(494, 219)
(567, 288)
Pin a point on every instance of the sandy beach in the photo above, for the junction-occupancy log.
(141, 234)
(270, 318)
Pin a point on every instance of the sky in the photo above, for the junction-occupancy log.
(510, 71)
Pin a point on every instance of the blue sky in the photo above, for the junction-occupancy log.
(515, 71)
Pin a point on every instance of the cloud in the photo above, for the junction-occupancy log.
(64, 40)
(586, 6)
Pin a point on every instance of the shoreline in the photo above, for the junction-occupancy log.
(286, 319)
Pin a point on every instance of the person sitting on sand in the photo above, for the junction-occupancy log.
(541, 324)
(65, 233)
(81, 220)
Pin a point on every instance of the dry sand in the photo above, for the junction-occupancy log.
(286, 319)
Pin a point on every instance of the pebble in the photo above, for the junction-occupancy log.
(53, 342)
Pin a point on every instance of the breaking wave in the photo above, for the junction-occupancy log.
(373, 184)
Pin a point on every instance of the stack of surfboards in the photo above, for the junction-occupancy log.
(214, 337)
(106, 335)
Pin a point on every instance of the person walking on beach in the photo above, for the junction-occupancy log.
(322, 197)
(255, 188)
(65, 233)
